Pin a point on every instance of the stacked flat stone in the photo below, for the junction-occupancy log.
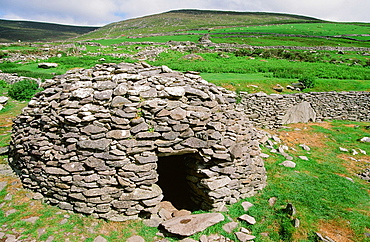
(90, 141)
(270, 110)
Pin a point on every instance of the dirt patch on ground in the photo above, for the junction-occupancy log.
(302, 134)
(355, 164)
(336, 230)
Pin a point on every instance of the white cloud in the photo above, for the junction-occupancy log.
(100, 12)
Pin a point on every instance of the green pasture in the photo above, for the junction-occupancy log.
(157, 39)
(269, 40)
(313, 29)
(264, 82)
(281, 68)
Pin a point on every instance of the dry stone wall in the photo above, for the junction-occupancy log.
(91, 141)
(272, 111)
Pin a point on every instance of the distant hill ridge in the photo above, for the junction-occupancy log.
(186, 19)
(29, 31)
(171, 21)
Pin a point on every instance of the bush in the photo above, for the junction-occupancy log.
(3, 84)
(23, 90)
(307, 81)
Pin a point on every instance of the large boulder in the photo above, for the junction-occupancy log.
(300, 113)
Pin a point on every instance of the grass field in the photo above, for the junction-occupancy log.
(264, 82)
(281, 68)
(328, 195)
(314, 29)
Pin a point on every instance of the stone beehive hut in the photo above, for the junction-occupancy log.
(115, 140)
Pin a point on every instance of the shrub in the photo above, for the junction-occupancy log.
(307, 81)
(23, 90)
(3, 84)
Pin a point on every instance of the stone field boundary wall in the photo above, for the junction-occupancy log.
(273, 111)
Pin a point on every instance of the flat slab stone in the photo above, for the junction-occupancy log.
(288, 163)
(135, 238)
(3, 99)
(244, 237)
(191, 224)
(247, 218)
(246, 205)
(47, 65)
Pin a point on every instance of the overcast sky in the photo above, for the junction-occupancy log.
(102, 12)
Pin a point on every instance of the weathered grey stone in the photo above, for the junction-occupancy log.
(118, 134)
(103, 95)
(175, 91)
(4, 150)
(3, 99)
(74, 166)
(214, 184)
(100, 239)
(142, 194)
(229, 227)
(301, 113)
(305, 147)
(246, 206)
(195, 143)
(56, 171)
(101, 144)
(135, 238)
(178, 114)
(46, 65)
(83, 92)
(243, 237)
(119, 101)
(93, 129)
(140, 127)
(288, 163)
(365, 139)
(189, 225)
(247, 218)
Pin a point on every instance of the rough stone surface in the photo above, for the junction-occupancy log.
(3, 99)
(288, 163)
(365, 139)
(191, 224)
(90, 141)
(4, 150)
(46, 65)
(229, 227)
(246, 205)
(3, 185)
(135, 238)
(301, 113)
(243, 237)
(100, 239)
(249, 219)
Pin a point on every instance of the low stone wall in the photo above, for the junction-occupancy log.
(270, 111)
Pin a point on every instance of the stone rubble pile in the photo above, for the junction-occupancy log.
(90, 142)
(13, 78)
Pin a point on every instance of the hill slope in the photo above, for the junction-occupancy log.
(11, 31)
(177, 20)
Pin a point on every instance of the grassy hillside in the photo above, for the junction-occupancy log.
(179, 20)
(11, 31)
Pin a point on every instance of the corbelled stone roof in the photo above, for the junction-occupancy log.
(90, 141)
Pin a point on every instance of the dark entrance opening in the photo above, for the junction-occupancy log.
(172, 178)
